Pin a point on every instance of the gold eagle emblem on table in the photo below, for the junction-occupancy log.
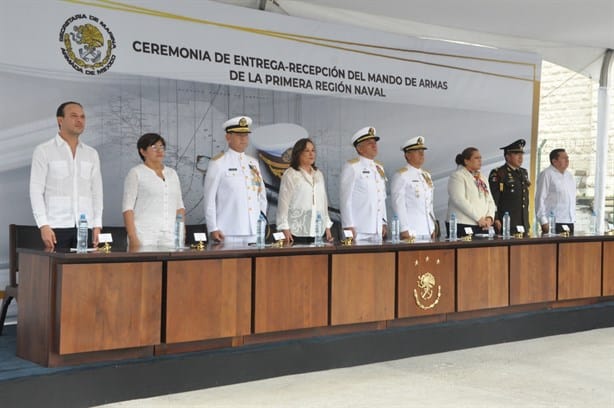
(425, 290)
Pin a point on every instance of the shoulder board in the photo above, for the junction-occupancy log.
(378, 162)
(426, 171)
(402, 170)
(217, 156)
(499, 171)
(493, 175)
(354, 160)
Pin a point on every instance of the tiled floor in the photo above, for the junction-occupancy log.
(572, 370)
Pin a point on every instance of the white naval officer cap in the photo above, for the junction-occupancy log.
(364, 134)
(414, 143)
(238, 124)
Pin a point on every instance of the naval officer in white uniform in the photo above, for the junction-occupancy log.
(363, 190)
(412, 193)
(234, 193)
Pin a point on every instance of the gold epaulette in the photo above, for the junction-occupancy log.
(402, 170)
(217, 156)
(379, 162)
(354, 160)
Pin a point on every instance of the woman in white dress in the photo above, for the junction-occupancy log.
(302, 196)
(152, 197)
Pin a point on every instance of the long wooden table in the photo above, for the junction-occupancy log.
(76, 308)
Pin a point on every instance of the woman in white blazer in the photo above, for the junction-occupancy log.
(468, 194)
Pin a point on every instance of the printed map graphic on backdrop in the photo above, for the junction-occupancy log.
(189, 115)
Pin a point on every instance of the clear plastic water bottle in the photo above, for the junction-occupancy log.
(179, 232)
(395, 230)
(593, 227)
(82, 234)
(551, 223)
(318, 230)
(453, 227)
(260, 231)
(506, 226)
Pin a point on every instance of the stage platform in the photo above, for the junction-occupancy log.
(25, 384)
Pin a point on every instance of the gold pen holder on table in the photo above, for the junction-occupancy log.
(409, 240)
(347, 241)
(106, 248)
(279, 243)
(199, 246)
(468, 237)
(518, 235)
(565, 234)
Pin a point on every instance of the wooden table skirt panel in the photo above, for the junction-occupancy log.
(291, 292)
(34, 331)
(579, 270)
(532, 273)
(362, 287)
(208, 299)
(482, 278)
(107, 306)
(425, 283)
(607, 287)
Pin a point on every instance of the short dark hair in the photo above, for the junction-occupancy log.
(299, 147)
(60, 112)
(555, 154)
(465, 155)
(148, 139)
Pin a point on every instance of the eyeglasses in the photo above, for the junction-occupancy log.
(158, 147)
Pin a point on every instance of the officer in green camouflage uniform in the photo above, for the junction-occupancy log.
(509, 185)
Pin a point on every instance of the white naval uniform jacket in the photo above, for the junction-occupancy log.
(363, 196)
(412, 200)
(234, 194)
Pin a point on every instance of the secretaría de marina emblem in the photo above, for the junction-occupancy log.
(87, 44)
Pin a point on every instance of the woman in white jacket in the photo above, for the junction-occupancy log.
(468, 194)
(302, 196)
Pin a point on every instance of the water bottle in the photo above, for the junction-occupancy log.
(260, 230)
(593, 230)
(82, 234)
(551, 223)
(506, 226)
(395, 230)
(453, 232)
(179, 232)
(318, 230)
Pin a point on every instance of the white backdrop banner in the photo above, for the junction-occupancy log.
(181, 68)
(208, 42)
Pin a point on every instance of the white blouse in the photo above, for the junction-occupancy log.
(155, 203)
(301, 197)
